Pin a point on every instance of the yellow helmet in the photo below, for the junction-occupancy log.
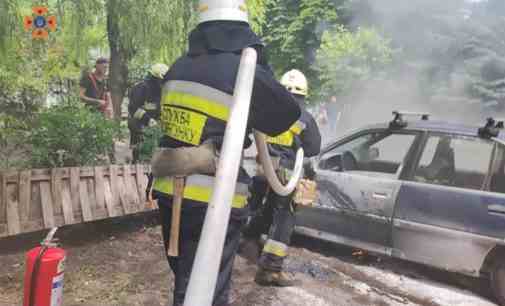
(295, 82)
(158, 70)
(232, 10)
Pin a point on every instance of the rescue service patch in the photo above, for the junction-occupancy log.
(183, 125)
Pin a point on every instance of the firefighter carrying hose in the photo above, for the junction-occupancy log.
(277, 215)
(144, 105)
(195, 106)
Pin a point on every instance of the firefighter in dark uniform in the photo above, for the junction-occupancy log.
(144, 105)
(195, 105)
(276, 216)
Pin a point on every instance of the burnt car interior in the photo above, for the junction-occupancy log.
(447, 159)
(458, 161)
(442, 168)
(497, 183)
(369, 152)
(380, 152)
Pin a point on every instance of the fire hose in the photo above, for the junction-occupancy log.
(269, 170)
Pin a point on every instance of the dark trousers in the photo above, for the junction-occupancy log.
(192, 218)
(136, 138)
(276, 216)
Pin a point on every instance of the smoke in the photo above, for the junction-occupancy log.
(432, 68)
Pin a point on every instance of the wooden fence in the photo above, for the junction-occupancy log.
(33, 200)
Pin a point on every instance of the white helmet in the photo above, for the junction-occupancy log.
(158, 70)
(232, 10)
(295, 82)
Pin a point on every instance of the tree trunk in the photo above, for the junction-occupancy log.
(118, 75)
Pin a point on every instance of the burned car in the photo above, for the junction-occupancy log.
(423, 191)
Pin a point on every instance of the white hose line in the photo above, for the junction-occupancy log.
(266, 162)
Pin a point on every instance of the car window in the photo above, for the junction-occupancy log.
(381, 152)
(453, 160)
(394, 148)
(497, 178)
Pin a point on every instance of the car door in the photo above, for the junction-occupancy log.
(358, 183)
(451, 213)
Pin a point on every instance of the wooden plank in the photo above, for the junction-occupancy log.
(47, 204)
(129, 191)
(135, 195)
(91, 195)
(3, 197)
(122, 196)
(85, 204)
(99, 188)
(35, 211)
(66, 202)
(24, 194)
(13, 220)
(114, 184)
(111, 210)
(56, 191)
(74, 188)
(141, 178)
(45, 174)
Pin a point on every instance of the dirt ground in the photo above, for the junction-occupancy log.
(120, 262)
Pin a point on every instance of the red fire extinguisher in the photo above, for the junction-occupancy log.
(45, 265)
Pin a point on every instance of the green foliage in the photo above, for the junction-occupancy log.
(150, 142)
(293, 32)
(347, 58)
(70, 134)
(13, 136)
(9, 16)
(257, 11)
(81, 28)
(156, 30)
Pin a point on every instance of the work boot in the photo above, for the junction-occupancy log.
(266, 277)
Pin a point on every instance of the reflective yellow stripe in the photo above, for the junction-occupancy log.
(208, 107)
(198, 97)
(297, 128)
(197, 189)
(276, 248)
(285, 139)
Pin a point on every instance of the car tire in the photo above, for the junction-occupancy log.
(498, 281)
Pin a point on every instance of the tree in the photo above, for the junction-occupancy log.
(293, 30)
(155, 30)
(136, 33)
(345, 59)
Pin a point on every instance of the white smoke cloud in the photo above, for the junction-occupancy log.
(424, 30)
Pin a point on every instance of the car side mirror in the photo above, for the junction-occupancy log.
(333, 163)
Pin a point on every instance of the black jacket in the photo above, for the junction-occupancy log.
(145, 95)
(213, 59)
(309, 140)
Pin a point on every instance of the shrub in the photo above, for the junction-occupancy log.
(13, 141)
(152, 136)
(70, 134)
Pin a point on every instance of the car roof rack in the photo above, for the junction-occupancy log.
(399, 121)
(492, 128)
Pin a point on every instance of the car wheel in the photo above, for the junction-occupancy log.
(498, 281)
